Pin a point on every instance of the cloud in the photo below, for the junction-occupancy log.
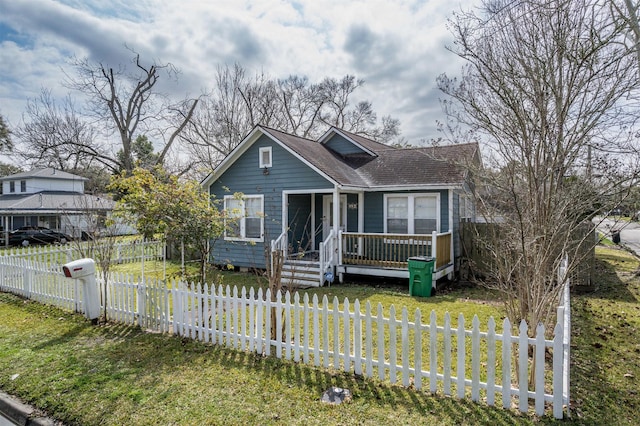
(371, 53)
(396, 46)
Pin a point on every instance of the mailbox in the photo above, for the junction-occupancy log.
(79, 268)
(85, 271)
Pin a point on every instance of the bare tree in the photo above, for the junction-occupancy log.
(548, 85)
(95, 235)
(129, 103)
(629, 13)
(294, 105)
(55, 135)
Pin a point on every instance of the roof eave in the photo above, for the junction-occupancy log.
(378, 188)
(232, 156)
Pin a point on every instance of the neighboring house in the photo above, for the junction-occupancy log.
(343, 204)
(49, 198)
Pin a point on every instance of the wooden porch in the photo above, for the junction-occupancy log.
(393, 250)
(371, 254)
(387, 254)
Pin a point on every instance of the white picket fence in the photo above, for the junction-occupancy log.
(402, 347)
(124, 252)
(40, 282)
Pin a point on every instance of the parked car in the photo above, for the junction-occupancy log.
(36, 235)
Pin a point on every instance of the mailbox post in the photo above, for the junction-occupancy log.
(85, 271)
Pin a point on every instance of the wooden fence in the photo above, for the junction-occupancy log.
(451, 356)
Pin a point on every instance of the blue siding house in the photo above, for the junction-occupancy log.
(342, 204)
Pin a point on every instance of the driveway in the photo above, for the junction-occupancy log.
(629, 232)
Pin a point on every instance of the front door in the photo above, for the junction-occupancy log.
(327, 214)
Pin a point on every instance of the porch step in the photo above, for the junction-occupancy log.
(300, 273)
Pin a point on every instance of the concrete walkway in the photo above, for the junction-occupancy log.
(14, 412)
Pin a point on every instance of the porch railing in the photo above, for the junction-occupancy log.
(393, 250)
(279, 244)
(328, 255)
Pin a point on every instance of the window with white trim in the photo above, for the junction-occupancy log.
(465, 208)
(265, 157)
(244, 218)
(411, 213)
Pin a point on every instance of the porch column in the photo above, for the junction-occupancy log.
(6, 231)
(360, 250)
(285, 212)
(336, 211)
(313, 221)
(360, 212)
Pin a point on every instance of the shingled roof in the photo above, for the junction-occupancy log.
(53, 202)
(390, 166)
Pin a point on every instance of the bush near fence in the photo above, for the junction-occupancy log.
(480, 263)
(442, 356)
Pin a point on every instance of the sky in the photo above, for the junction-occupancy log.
(398, 47)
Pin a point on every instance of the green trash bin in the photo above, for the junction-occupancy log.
(420, 275)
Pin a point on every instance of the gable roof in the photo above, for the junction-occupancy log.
(47, 173)
(368, 144)
(275, 135)
(317, 155)
(377, 166)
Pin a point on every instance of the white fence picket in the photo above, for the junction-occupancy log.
(305, 329)
(287, 325)
(279, 325)
(417, 345)
(475, 359)
(381, 348)
(491, 362)
(539, 366)
(404, 338)
(357, 338)
(433, 352)
(523, 367)
(296, 327)
(346, 335)
(506, 363)
(243, 319)
(462, 362)
(558, 373)
(392, 345)
(325, 331)
(368, 341)
(228, 304)
(267, 326)
(316, 332)
(447, 354)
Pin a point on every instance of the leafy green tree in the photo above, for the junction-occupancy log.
(141, 155)
(9, 169)
(157, 203)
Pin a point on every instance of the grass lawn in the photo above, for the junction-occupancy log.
(606, 343)
(113, 374)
